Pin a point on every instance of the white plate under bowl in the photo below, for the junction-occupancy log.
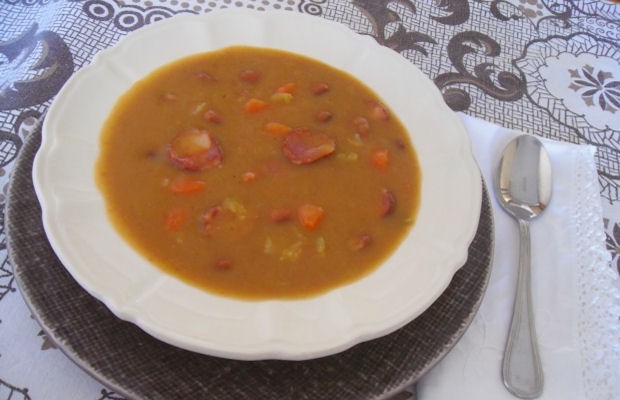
(77, 226)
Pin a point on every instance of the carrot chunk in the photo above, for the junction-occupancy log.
(249, 75)
(175, 219)
(183, 185)
(253, 106)
(310, 215)
(381, 159)
(287, 88)
(277, 128)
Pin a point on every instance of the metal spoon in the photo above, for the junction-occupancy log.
(523, 188)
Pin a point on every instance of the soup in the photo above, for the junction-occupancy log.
(258, 174)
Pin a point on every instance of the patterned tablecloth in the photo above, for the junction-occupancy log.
(548, 67)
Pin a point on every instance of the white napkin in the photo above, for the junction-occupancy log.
(574, 289)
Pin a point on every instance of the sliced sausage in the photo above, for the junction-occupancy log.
(195, 150)
(302, 146)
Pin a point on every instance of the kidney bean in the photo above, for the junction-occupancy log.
(324, 116)
(223, 265)
(362, 126)
(388, 202)
(249, 75)
(212, 116)
(281, 214)
(360, 242)
(379, 113)
(320, 88)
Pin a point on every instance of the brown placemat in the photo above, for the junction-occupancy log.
(138, 366)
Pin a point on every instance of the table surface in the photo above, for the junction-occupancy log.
(551, 68)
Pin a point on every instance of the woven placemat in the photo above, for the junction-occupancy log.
(131, 362)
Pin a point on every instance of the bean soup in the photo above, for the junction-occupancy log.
(258, 174)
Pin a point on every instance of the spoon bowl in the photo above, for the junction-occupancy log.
(523, 184)
(523, 187)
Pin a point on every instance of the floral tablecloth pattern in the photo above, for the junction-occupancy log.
(548, 67)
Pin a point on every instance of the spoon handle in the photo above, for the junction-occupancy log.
(522, 370)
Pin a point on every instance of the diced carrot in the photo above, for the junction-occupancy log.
(183, 185)
(319, 88)
(277, 128)
(310, 215)
(249, 75)
(287, 88)
(324, 116)
(212, 116)
(253, 106)
(380, 159)
(248, 176)
(175, 219)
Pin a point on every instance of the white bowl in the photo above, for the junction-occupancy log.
(76, 223)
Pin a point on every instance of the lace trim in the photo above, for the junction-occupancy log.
(599, 288)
